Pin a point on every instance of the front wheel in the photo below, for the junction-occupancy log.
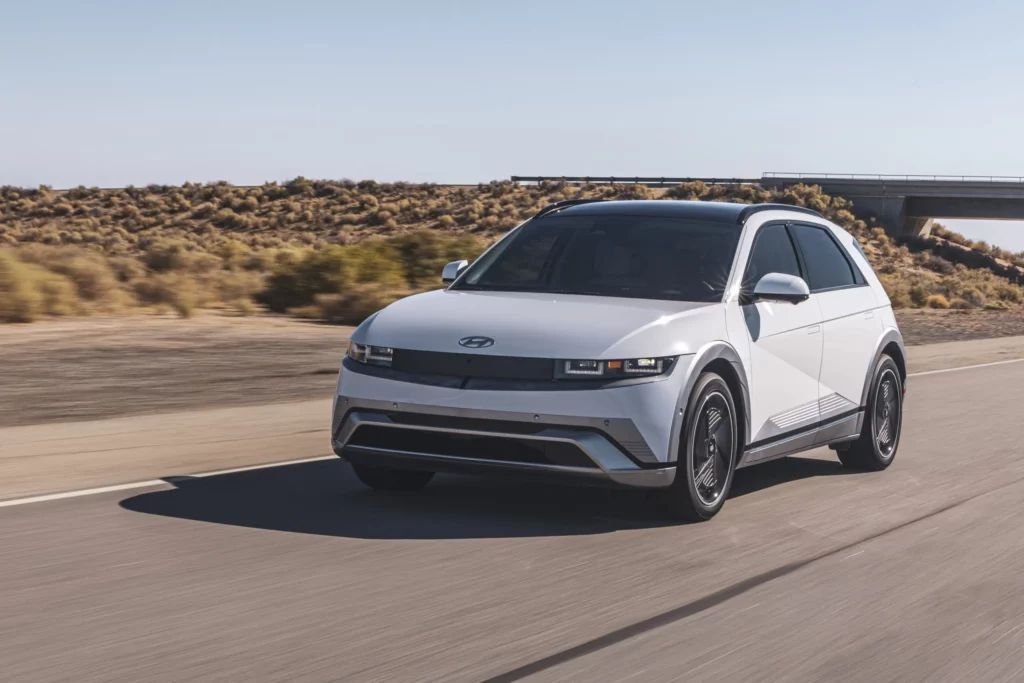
(707, 453)
(392, 479)
(875, 449)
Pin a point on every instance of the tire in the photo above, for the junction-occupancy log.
(391, 479)
(875, 448)
(706, 462)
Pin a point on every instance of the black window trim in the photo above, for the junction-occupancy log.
(854, 270)
(744, 292)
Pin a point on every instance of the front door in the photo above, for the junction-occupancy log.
(785, 353)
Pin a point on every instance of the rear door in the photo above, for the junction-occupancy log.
(850, 326)
(785, 351)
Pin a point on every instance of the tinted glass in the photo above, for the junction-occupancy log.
(523, 261)
(858, 275)
(629, 256)
(826, 265)
(773, 253)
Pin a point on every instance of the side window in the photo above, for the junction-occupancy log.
(773, 253)
(858, 275)
(827, 267)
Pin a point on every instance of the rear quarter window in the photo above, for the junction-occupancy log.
(829, 265)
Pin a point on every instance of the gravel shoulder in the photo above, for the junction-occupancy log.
(96, 368)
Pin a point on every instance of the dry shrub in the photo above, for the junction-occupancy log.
(356, 304)
(296, 283)
(28, 291)
(58, 294)
(918, 295)
(243, 306)
(126, 269)
(232, 286)
(973, 297)
(938, 264)
(88, 271)
(20, 301)
(1007, 292)
(175, 290)
(938, 301)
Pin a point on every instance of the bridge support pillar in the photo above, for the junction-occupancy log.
(891, 214)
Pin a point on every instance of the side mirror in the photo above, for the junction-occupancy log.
(781, 287)
(452, 271)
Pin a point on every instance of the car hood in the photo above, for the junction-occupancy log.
(543, 325)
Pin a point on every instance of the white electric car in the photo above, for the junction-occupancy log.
(658, 344)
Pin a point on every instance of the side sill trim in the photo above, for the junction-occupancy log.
(831, 431)
(786, 436)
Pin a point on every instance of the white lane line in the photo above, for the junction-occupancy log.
(151, 482)
(159, 482)
(966, 367)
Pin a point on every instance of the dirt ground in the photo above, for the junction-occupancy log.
(107, 367)
(94, 368)
(924, 326)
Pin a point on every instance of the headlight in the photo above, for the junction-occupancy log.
(611, 369)
(370, 355)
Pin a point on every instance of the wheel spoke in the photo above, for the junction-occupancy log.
(706, 476)
(722, 429)
(702, 430)
(720, 466)
(883, 432)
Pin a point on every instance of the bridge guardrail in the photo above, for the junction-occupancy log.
(884, 176)
(630, 180)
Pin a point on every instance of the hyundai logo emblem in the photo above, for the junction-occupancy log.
(476, 342)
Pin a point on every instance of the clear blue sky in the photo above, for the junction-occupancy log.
(118, 92)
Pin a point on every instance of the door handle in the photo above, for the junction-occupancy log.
(814, 329)
(869, 314)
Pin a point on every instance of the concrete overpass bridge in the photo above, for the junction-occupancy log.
(905, 205)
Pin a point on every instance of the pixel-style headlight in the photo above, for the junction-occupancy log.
(610, 369)
(370, 355)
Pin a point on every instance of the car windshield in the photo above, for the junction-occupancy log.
(639, 257)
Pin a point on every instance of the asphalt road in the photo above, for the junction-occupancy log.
(295, 573)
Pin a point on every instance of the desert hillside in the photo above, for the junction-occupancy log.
(339, 249)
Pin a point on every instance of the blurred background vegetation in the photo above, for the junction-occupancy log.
(340, 250)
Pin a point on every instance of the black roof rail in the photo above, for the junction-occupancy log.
(564, 204)
(756, 208)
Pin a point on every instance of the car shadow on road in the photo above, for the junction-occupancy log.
(324, 498)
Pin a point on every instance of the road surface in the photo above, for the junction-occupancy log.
(295, 573)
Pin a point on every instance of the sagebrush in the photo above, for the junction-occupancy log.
(339, 250)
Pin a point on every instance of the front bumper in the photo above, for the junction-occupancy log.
(416, 426)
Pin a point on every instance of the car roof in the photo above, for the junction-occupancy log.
(715, 212)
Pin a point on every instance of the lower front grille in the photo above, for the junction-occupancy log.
(509, 449)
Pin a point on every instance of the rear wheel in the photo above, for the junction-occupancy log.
(875, 449)
(707, 453)
(391, 479)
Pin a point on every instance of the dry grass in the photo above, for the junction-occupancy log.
(339, 250)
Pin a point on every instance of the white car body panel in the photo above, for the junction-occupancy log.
(785, 361)
(544, 325)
